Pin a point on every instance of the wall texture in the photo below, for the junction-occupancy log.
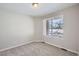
(38, 30)
(15, 29)
(71, 34)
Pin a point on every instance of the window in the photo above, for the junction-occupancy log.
(55, 26)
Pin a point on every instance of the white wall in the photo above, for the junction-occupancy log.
(15, 29)
(71, 32)
(78, 32)
(38, 30)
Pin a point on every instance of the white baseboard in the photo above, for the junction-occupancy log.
(20, 45)
(24, 43)
(16, 46)
(37, 41)
(62, 47)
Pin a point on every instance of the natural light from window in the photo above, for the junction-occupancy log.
(55, 27)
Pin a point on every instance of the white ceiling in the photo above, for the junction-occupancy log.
(27, 9)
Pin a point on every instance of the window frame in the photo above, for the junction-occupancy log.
(59, 16)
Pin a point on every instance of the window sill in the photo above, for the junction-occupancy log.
(53, 37)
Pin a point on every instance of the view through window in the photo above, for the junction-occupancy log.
(55, 27)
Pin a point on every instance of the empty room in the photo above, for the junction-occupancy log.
(39, 29)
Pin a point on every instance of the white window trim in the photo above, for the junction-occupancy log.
(44, 27)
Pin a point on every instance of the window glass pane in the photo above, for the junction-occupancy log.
(49, 30)
(58, 27)
(55, 27)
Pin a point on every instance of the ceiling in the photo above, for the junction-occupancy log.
(27, 9)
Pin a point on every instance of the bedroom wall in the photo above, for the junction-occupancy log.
(38, 30)
(15, 29)
(78, 33)
(71, 34)
(69, 40)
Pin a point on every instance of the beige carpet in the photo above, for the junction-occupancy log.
(36, 49)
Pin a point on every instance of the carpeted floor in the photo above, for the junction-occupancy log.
(36, 49)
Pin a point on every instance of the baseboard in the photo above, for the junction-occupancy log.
(19, 45)
(37, 41)
(16, 46)
(62, 47)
